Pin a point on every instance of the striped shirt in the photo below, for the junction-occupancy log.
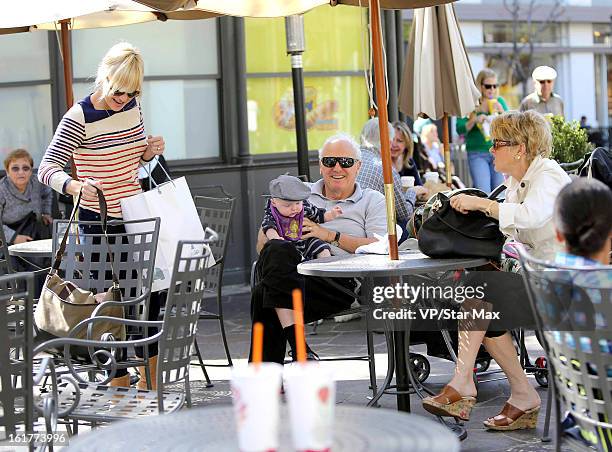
(105, 145)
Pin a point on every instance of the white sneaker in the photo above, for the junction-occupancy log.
(348, 317)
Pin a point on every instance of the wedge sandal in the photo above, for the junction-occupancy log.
(513, 419)
(449, 403)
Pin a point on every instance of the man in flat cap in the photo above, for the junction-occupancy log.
(543, 100)
(285, 212)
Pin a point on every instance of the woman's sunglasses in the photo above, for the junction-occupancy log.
(487, 86)
(130, 95)
(502, 143)
(345, 162)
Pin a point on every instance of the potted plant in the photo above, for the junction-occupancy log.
(570, 142)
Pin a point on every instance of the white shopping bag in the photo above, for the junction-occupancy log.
(173, 204)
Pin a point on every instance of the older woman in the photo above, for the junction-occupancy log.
(476, 128)
(521, 144)
(363, 215)
(105, 136)
(25, 204)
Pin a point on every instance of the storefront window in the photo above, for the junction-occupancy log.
(601, 33)
(25, 94)
(180, 97)
(502, 32)
(335, 91)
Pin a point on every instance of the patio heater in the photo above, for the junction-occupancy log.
(296, 45)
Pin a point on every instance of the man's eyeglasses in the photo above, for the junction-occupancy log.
(490, 86)
(542, 82)
(502, 143)
(345, 162)
(130, 95)
(25, 169)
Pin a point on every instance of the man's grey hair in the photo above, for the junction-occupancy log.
(342, 136)
(370, 134)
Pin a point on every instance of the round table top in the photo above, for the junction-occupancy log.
(35, 248)
(212, 429)
(410, 262)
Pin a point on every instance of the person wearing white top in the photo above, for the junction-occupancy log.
(522, 142)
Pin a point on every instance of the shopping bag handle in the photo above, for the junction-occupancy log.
(150, 173)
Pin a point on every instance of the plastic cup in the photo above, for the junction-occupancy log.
(256, 400)
(311, 396)
(431, 176)
(407, 182)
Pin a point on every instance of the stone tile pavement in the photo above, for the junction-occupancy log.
(342, 339)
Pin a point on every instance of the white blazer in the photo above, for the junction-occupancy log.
(527, 213)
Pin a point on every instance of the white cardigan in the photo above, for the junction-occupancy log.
(527, 213)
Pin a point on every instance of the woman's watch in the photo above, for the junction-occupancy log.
(336, 240)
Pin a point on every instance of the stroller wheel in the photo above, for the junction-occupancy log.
(482, 365)
(541, 376)
(419, 365)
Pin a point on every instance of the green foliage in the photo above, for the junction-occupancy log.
(570, 142)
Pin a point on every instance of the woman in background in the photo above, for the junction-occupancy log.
(402, 155)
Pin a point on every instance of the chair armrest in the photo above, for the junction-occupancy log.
(132, 302)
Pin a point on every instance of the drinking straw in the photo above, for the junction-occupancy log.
(298, 317)
(257, 342)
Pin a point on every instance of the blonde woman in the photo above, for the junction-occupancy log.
(402, 152)
(476, 128)
(105, 135)
(522, 143)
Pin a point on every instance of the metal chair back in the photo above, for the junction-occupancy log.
(86, 261)
(182, 313)
(573, 310)
(16, 341)
(5, 258)
(216, 214)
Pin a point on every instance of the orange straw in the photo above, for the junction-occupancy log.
(257, 343)
(298, 317)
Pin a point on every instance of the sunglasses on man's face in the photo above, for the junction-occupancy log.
(490, 86)
(130, 95)
(345, 162)
(25, 169)
(542, 82)
(497, 144)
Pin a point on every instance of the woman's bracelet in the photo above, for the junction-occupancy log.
(487, 211)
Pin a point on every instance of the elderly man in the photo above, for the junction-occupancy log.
(543, 100)
(363, 215)
(371, 174)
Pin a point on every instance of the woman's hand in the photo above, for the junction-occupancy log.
(155, 146)
(22, 239)
(46, 219)
(312, 229)
(498, 107)
(90, 187)
(421, 192)
(466, 203)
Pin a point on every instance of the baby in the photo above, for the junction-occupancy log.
(285, 212)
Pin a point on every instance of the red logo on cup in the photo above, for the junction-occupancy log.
(323, 394)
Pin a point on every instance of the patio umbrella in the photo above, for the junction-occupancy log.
(280, 8)
(437, 78)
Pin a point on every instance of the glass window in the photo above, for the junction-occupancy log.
(25, 120)
(180, 98)
(512, 89)
(336, 97)
(501, 32)
(601, 33)
(24, 57)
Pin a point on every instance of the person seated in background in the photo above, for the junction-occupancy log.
(371, 174)
(432, 145)
(25, 203)
(363, 215)
(402, 155)
(285, 212)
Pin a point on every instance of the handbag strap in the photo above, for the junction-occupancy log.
(104, 221)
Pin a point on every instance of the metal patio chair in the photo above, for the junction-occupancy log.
(86, 262)
(216, 214)
(98, 403)
(17, 413)
(5, 259)
(573, 310)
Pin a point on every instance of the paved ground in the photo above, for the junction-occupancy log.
(342, 339)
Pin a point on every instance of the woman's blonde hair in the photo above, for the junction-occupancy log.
(528, 128)
(484, 74)
(121, 69)
(403, 128)
(16, 155)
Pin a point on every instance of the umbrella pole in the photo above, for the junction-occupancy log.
(447, 154)
(383, 123)
(67, 62)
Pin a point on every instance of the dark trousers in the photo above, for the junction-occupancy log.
(156, 298)
(277, 276)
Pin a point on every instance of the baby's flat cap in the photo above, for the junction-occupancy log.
(288, 187)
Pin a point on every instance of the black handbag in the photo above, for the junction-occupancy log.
(450, 233)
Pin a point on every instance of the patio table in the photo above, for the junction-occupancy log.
(213, 429)
(35, 248)
(369, 266)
